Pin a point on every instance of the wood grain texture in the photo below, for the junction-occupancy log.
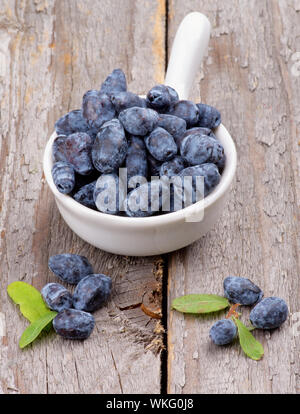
(51, 52)
(251, 74)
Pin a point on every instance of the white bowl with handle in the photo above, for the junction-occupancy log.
(168, 232)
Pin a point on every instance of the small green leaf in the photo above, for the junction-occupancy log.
(200, 303)
(29, 298)
(252, 348)
(33, 330)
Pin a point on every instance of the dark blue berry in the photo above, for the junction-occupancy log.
(71, 122)
(197, 149)
(223, 332)
(209, 117)
(74, 324)
(109, 193)
(97, 109)
(136, 160)
(110, 147)
(145, 200)
(161, 144)
(174, 125)
(57, 297)
(186, 110)
(173, 167)
(92, 292)
(115, 82)
(63, 175)
(139, 121)
(174, 96)
(85, 195)
(70, 268)
(241, 290)
(159, 98)
(154, 166)
(125, 100)
(210, 173)
(75, 149)
(269, 313)
(217, 155)
(221, 164)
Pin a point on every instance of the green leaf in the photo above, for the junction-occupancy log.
(200, 303)
(252, 348)
(30, 300)
(33, 330)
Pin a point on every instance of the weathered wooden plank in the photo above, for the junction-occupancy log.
(50, 53)
(252, 75)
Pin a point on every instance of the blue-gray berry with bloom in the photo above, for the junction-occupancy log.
(209, 117)
(115, 82)
(161, 144)
(74, 324)
(269, 313)
(110, 147)
(57, 297)
(70, 268)
(75, 149)
(139, 121)
(125, 100)
(63, 175)
(92, 292)
(241, 290)
(223, 332)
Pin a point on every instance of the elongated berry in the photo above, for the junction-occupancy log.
(63, 175)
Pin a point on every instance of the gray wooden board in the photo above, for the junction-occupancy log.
(51, 52)
(251, 75)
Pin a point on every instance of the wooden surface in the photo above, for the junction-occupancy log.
(50, 53)
(248, 75)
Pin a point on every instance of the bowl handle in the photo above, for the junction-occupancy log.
(189, 46)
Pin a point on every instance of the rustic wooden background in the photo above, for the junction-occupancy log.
(51, 51)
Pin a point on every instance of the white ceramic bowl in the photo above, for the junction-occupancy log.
(168, 232)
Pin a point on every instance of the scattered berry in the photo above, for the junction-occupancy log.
(223, 332)
(241, 290)
(57, 297)
(74, 324)
(70, 268)
(269, 313)
(92, 292)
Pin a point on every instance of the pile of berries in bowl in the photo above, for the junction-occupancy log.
(122, 154)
